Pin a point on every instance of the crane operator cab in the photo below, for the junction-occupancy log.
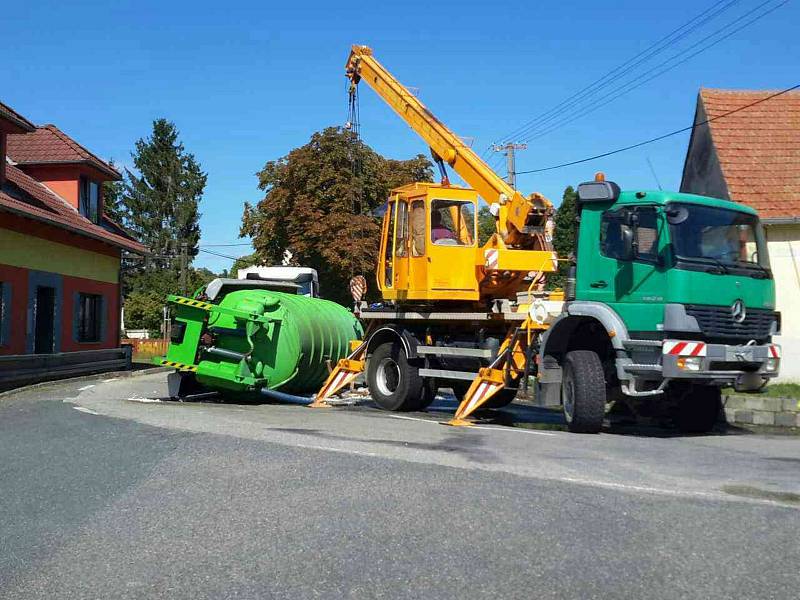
(428, 244)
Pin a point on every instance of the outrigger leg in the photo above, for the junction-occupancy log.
(346, 370)
(506, 369)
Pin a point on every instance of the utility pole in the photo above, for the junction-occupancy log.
(510, 148)
(184, 266)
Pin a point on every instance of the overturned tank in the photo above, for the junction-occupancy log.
(247, 336)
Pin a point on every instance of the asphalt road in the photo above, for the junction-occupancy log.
(107, 492)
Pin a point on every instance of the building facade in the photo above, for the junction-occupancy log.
(59, 253)
(753, 156)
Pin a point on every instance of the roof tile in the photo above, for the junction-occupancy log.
(758, 148)
(49, 145)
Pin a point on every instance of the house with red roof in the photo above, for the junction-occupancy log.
(59, 253)
(753, 156)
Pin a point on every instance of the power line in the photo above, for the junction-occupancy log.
(219, 254)
(660, 137)
(626, 67)
(225, 245)
(619, 92)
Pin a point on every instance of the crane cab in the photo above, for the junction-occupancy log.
(429, 244)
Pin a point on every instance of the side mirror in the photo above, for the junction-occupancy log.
(627, 250)
(598, 191)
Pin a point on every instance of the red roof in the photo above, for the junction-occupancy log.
(49, 145)
(18, 123)
(29, 198)
(758, 148)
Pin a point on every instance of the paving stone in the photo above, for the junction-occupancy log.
(762, 403)
(744, 416)
(763, 417)
(734, 402)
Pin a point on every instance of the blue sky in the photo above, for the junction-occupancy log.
(247, 81)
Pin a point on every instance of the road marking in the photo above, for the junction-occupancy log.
(85, 410)
(492, 427)
(110, 380)
(144, 400)
(86, 387)
(515, 430)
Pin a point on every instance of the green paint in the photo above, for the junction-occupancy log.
(638, 290)
(286, 339)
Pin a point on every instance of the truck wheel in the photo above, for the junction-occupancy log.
(430, 388)
(393, 383)
(697, 408)
(502, 398)
(583, 391)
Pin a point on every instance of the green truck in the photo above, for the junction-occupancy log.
(671, 299)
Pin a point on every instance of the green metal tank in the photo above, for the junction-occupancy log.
(251, 339)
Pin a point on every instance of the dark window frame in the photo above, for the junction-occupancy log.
(85, 207)
(90, 318)
(652, 259)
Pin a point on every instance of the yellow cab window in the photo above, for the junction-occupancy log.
(452, 223)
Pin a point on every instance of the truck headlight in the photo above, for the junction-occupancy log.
(773, 364)
(690, 363)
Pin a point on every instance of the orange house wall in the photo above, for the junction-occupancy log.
(63, 181)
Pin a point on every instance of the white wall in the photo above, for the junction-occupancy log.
(784, 255)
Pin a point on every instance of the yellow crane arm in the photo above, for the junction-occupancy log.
(520, 219)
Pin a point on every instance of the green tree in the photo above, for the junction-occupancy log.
(320, 207)
(159, 204)
(486, 225)
(564, 236)
(143, 310)
(248, 260)
(114, 201)
(162, 199)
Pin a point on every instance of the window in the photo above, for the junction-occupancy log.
(452, 223)
(717, 235)
(89, 199)
(418, 228)
(401, 232)
(641, 223)
(89, 317)
(388, 277)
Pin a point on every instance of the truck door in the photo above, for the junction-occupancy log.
(418, 265)
(401, 248)
(631, 280)
(451, 245)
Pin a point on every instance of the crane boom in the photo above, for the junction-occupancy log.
(520, 220)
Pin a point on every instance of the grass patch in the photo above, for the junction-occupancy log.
(774, 390)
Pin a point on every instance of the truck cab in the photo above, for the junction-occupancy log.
(673, 293)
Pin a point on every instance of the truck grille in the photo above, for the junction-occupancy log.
(717, 322)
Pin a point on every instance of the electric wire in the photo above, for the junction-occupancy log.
(650, 51)
(626, 67)
(619, 92)
(660, 137)
(220, 254)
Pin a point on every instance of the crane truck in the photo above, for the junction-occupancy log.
(669, 299)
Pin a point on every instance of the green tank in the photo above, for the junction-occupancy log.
(246, 340)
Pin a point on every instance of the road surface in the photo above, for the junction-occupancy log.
(107, 491)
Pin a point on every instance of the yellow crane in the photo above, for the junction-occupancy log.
(455, 313)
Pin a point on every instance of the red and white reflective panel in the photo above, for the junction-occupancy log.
(482, 391)
(492, 258)
(679, 348)
(775, 351)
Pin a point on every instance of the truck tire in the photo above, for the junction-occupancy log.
(393, 383)
(583, 391)
(697, 408)
(430, 388)
(502, 398)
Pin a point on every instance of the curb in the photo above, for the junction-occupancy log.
(54, 382)
(772, 411)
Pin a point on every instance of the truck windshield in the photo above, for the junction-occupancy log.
(717, 235)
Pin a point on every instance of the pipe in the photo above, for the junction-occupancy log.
(284, 397)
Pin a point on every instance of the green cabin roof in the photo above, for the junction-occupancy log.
(661, 198)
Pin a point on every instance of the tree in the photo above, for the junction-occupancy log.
(564, 236)
(162, 200)
(243, 262)
(113, 200)
(143, 310)
(319, 202)
(486, 225)
(160, 209)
